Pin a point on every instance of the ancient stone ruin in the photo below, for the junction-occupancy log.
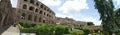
(6, 15)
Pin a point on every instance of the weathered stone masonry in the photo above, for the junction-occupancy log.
(7, 15)
(35, 11)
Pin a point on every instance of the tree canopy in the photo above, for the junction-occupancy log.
(107, 15)
(90, 23)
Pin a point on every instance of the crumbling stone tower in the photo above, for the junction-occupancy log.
(6, 15)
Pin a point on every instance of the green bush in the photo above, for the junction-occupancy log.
(67, 34)
(49, 29)
(97, 29)
(77, 32)
(94, 34)
(117, 32)
(43, 28)
(25, 24)
(86, 30)
(101, 33)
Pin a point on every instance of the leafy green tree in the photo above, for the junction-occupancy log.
(90, 23)
(117, 17)
(106, 11)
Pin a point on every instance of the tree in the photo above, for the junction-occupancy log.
(90, 23)
(117, 17)
(106, 11)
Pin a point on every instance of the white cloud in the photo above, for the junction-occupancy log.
(14, 3)
(51, 2)
(73, 6)
(91, 19)
(118, 2)
(62, 15)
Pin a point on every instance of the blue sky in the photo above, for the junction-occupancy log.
(80, 10)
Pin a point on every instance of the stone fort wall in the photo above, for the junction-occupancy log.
(35, 11)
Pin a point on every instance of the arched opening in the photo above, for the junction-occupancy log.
(44, 13)
(31, 8)
(32, 1)
(39, 19)
(43, 21)
(35, 19)
(36, 10)
(41, 6)
(40, 12)
(25, 0)
(37, 4)
(29, 17)
(23, 16)
(5, 23)
(48, 15)
(24, 6)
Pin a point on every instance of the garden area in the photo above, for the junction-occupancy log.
(52, 29)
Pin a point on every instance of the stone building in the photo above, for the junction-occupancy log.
(35, 11)
(70, 22)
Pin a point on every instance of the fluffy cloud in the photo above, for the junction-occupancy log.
(51, 2)
(63, 16)
(14, 3)
(91, 19)
(71, 6)
(117, 3)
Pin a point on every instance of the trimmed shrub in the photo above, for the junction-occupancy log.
(77, 32)
(94, 34)
(86, 30)
(25, 24)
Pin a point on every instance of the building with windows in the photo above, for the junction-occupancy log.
(35, 11)
(71, 22)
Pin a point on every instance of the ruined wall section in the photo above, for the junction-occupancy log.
(7, 15)
(35, 11)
